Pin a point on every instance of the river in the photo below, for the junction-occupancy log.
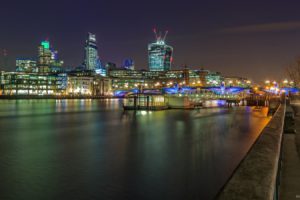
(92, 149)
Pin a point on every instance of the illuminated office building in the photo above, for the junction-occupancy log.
(91, 53)
(48, 60)
(20, 83)
(159, 55)
(26, 65)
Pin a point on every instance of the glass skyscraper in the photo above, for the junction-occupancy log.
(160, 55)
(48, 60)
(91, 53)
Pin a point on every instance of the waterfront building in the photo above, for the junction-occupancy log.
(88, 83)
(26, 65)
(80, 85)
(20, 83)
(160, 55)
(127, 79)
(102, 86)
(122, 78)
(48, 60)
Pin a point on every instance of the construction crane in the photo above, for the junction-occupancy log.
(158, 36)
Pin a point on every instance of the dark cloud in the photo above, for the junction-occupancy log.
(269, 27)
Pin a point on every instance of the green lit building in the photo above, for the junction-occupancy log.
(48, 61)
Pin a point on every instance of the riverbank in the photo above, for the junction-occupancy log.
(290, 175)
(256, 175)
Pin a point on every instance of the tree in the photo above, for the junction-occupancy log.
(293, 71)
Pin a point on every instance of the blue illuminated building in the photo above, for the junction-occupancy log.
(128, 64)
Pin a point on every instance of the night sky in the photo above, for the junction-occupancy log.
(254, 38)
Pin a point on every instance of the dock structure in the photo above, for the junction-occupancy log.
(231, 102)
(145, 102)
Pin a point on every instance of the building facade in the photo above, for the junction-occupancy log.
(48, 60)
(88, 83)
(160, 55)
(91, 53)
(20, 83)
(26, 65)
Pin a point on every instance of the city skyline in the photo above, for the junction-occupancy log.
(134, 99)
(257, 44)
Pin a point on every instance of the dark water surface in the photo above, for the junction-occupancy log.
(91, 149)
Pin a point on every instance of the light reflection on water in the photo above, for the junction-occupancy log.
(92, 149)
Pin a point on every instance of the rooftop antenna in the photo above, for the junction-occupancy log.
(155, 33)
(159, 35)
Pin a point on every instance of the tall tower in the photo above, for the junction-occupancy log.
(44, 57)
(160, 54)
(91, 53)
(48, 60)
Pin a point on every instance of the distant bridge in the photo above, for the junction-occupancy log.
(201, 92)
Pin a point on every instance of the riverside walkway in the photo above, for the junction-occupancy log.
(256, 176)
(290, 175)
(259, 176)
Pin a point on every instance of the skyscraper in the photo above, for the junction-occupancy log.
(44, 57)
(48, 60)
(91, 53)
(160, 54)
